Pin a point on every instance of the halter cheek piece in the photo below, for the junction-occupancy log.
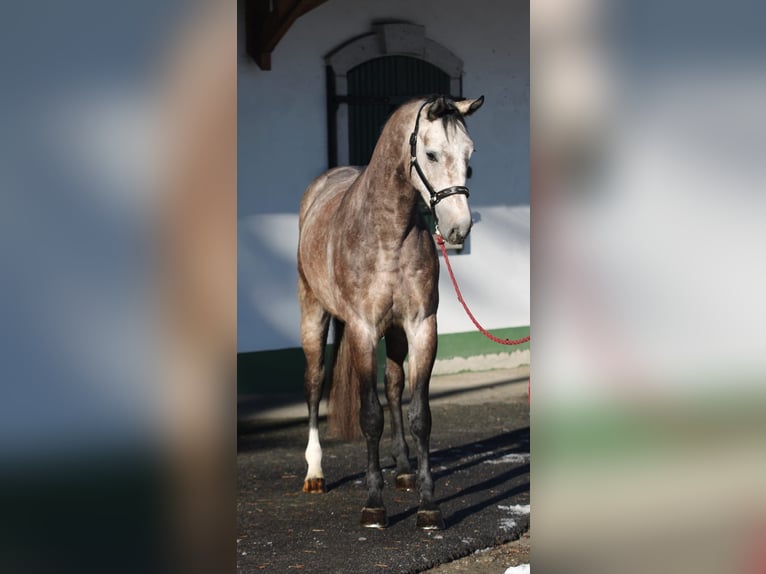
(436, 196)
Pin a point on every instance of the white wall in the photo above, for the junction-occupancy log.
(282, 146)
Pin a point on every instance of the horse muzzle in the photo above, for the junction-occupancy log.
(455, 230)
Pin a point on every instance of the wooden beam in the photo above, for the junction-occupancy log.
(266, 23)
(263, 59)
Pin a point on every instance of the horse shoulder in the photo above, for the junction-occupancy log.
(419, 267)
(326, 186)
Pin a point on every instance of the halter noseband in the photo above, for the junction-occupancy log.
(436, 196)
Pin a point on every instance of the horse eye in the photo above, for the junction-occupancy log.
(431, 156)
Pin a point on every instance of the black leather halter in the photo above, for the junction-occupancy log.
(436, 196)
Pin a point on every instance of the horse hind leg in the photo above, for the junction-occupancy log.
(314, 325)
(396, 351)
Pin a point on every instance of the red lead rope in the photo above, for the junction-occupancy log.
(490, 336)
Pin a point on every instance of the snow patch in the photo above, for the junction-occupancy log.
(507, 523)
(521, 569)
(513, 458)
(517, 509)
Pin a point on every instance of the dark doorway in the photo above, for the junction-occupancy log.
(376, 88)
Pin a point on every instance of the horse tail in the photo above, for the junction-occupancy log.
(344, 402)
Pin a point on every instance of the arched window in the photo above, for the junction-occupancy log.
(370, 76)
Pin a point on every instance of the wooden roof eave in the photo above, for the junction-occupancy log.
(266, 23)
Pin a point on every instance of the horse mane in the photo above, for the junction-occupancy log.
(399, 125)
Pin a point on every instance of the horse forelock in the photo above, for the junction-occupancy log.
(453, 119)
(453, 123)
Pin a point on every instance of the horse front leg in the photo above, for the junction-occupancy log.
(363, 345)
(314, 326)
(396, 351)
(422, 343)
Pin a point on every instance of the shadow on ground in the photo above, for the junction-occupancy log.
(254, 411)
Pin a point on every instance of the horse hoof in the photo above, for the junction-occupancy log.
(430, 520)
(374, 518)
(405, 482)
(314, 485)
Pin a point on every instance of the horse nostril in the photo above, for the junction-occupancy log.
(459, 234)
(456, 237)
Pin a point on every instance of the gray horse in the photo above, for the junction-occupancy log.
(366, 258)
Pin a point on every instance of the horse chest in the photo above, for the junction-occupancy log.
(379, 291)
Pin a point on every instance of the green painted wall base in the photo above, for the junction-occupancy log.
(281, 371)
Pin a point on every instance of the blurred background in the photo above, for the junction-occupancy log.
(118, 222)
(647, 310)
(118, 287)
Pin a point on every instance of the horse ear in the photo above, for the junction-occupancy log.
(438, 108)
(467, 107)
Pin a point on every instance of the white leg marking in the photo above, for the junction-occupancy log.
(314, 455)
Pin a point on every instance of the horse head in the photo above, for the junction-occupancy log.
(440, 149)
